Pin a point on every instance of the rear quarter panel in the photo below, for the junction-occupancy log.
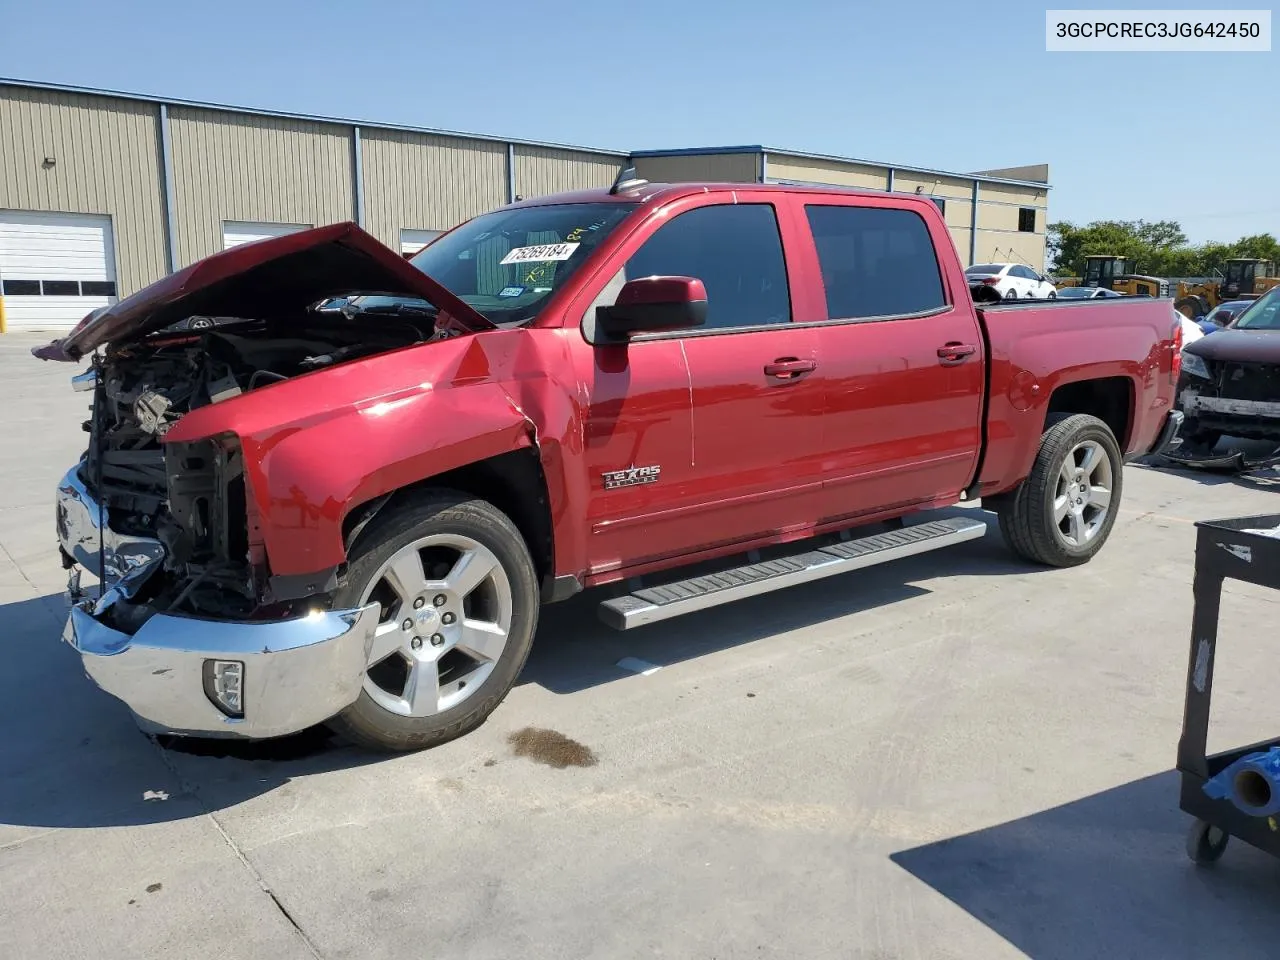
(1036, 350)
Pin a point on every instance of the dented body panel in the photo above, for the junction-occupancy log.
(654, 452)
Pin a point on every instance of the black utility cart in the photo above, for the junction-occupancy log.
(1224, 549)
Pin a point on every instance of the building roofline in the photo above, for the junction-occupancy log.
(288, 115)
(489, 138)
(782, 151)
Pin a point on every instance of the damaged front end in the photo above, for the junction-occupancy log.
(1229, 393)
(184, 627)
(187, 626)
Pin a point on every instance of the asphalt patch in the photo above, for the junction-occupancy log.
(551, 748)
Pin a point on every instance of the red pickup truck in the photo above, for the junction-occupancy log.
(325, 483)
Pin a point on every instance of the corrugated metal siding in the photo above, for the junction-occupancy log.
(107, 161)
(932, 186)
(541, 171)
(416, 181)
(1000, 216)
(958, 213)
(229, 166)
(808, 170)
(999, 247)
(711, 167)
(1025, 196)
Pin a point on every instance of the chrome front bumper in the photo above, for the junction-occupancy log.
(296, 673)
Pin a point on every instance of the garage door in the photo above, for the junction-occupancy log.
(411, 241)
(236, 232)
(54, 268)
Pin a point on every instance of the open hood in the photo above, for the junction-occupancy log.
(1248, 346)
(279, 276)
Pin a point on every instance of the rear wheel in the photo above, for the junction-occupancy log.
(459, 604)
(1063, 512)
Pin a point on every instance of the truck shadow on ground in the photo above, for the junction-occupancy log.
(575, 651)
(1107, 876)
(71, 755)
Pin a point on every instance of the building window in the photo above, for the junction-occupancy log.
(1026, 219)
(941, 204)
(22, 288)
(61, 288)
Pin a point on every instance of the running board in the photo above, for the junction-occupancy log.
(698, 593)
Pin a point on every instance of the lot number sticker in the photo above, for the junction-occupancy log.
(542, 253)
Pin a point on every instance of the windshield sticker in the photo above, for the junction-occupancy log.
(540, 253)
(510, 291)
(578, 232)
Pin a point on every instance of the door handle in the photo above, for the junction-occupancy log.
(955, 352)
(789, 368)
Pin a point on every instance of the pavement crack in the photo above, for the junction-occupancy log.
(22, 573)
(188, 788)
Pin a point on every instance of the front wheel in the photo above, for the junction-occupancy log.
(1011, 295)
(459, 605)
(1064, 510)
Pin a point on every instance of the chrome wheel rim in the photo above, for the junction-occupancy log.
(444, 624)
(1082, 500)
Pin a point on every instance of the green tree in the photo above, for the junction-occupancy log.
(1158, 248)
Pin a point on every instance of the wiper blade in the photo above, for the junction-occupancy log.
(391, 309)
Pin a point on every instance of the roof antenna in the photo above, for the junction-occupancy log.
(627, 180)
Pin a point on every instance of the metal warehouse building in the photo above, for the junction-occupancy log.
(102, 193)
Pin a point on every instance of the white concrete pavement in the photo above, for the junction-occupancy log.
(956, 756)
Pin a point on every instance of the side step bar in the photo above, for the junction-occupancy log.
(699, 593)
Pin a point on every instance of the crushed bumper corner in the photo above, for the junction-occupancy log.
(296, 673)
(1170, 434)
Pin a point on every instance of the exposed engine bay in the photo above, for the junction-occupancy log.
(191, 496)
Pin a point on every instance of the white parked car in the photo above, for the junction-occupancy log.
(1013, 281)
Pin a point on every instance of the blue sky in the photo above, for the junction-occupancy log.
(1190, 137)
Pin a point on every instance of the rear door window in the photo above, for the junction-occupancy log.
(876, 262)
(735, 250)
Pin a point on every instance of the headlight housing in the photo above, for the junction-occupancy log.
(1195, 366)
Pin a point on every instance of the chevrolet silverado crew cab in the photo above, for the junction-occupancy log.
(304, 511)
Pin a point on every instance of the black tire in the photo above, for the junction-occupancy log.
(369, 724)
(1011, 295)
(1053, 294)
(1026, 514)
(1206, 843)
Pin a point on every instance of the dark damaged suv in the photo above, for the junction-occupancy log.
(1230, 382)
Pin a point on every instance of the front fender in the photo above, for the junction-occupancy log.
(305, 481)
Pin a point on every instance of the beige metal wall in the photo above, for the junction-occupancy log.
(541, 170)
(780, 166)
(1004, 247)
(711, 167)
(1009, 193)
(106, 155)
(416, 181)
(930, 185)
(998, 233)
(231, 166)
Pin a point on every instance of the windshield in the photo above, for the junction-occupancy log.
(1239, 270)
(507, 263)
(1262, 314)
(985, 268)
